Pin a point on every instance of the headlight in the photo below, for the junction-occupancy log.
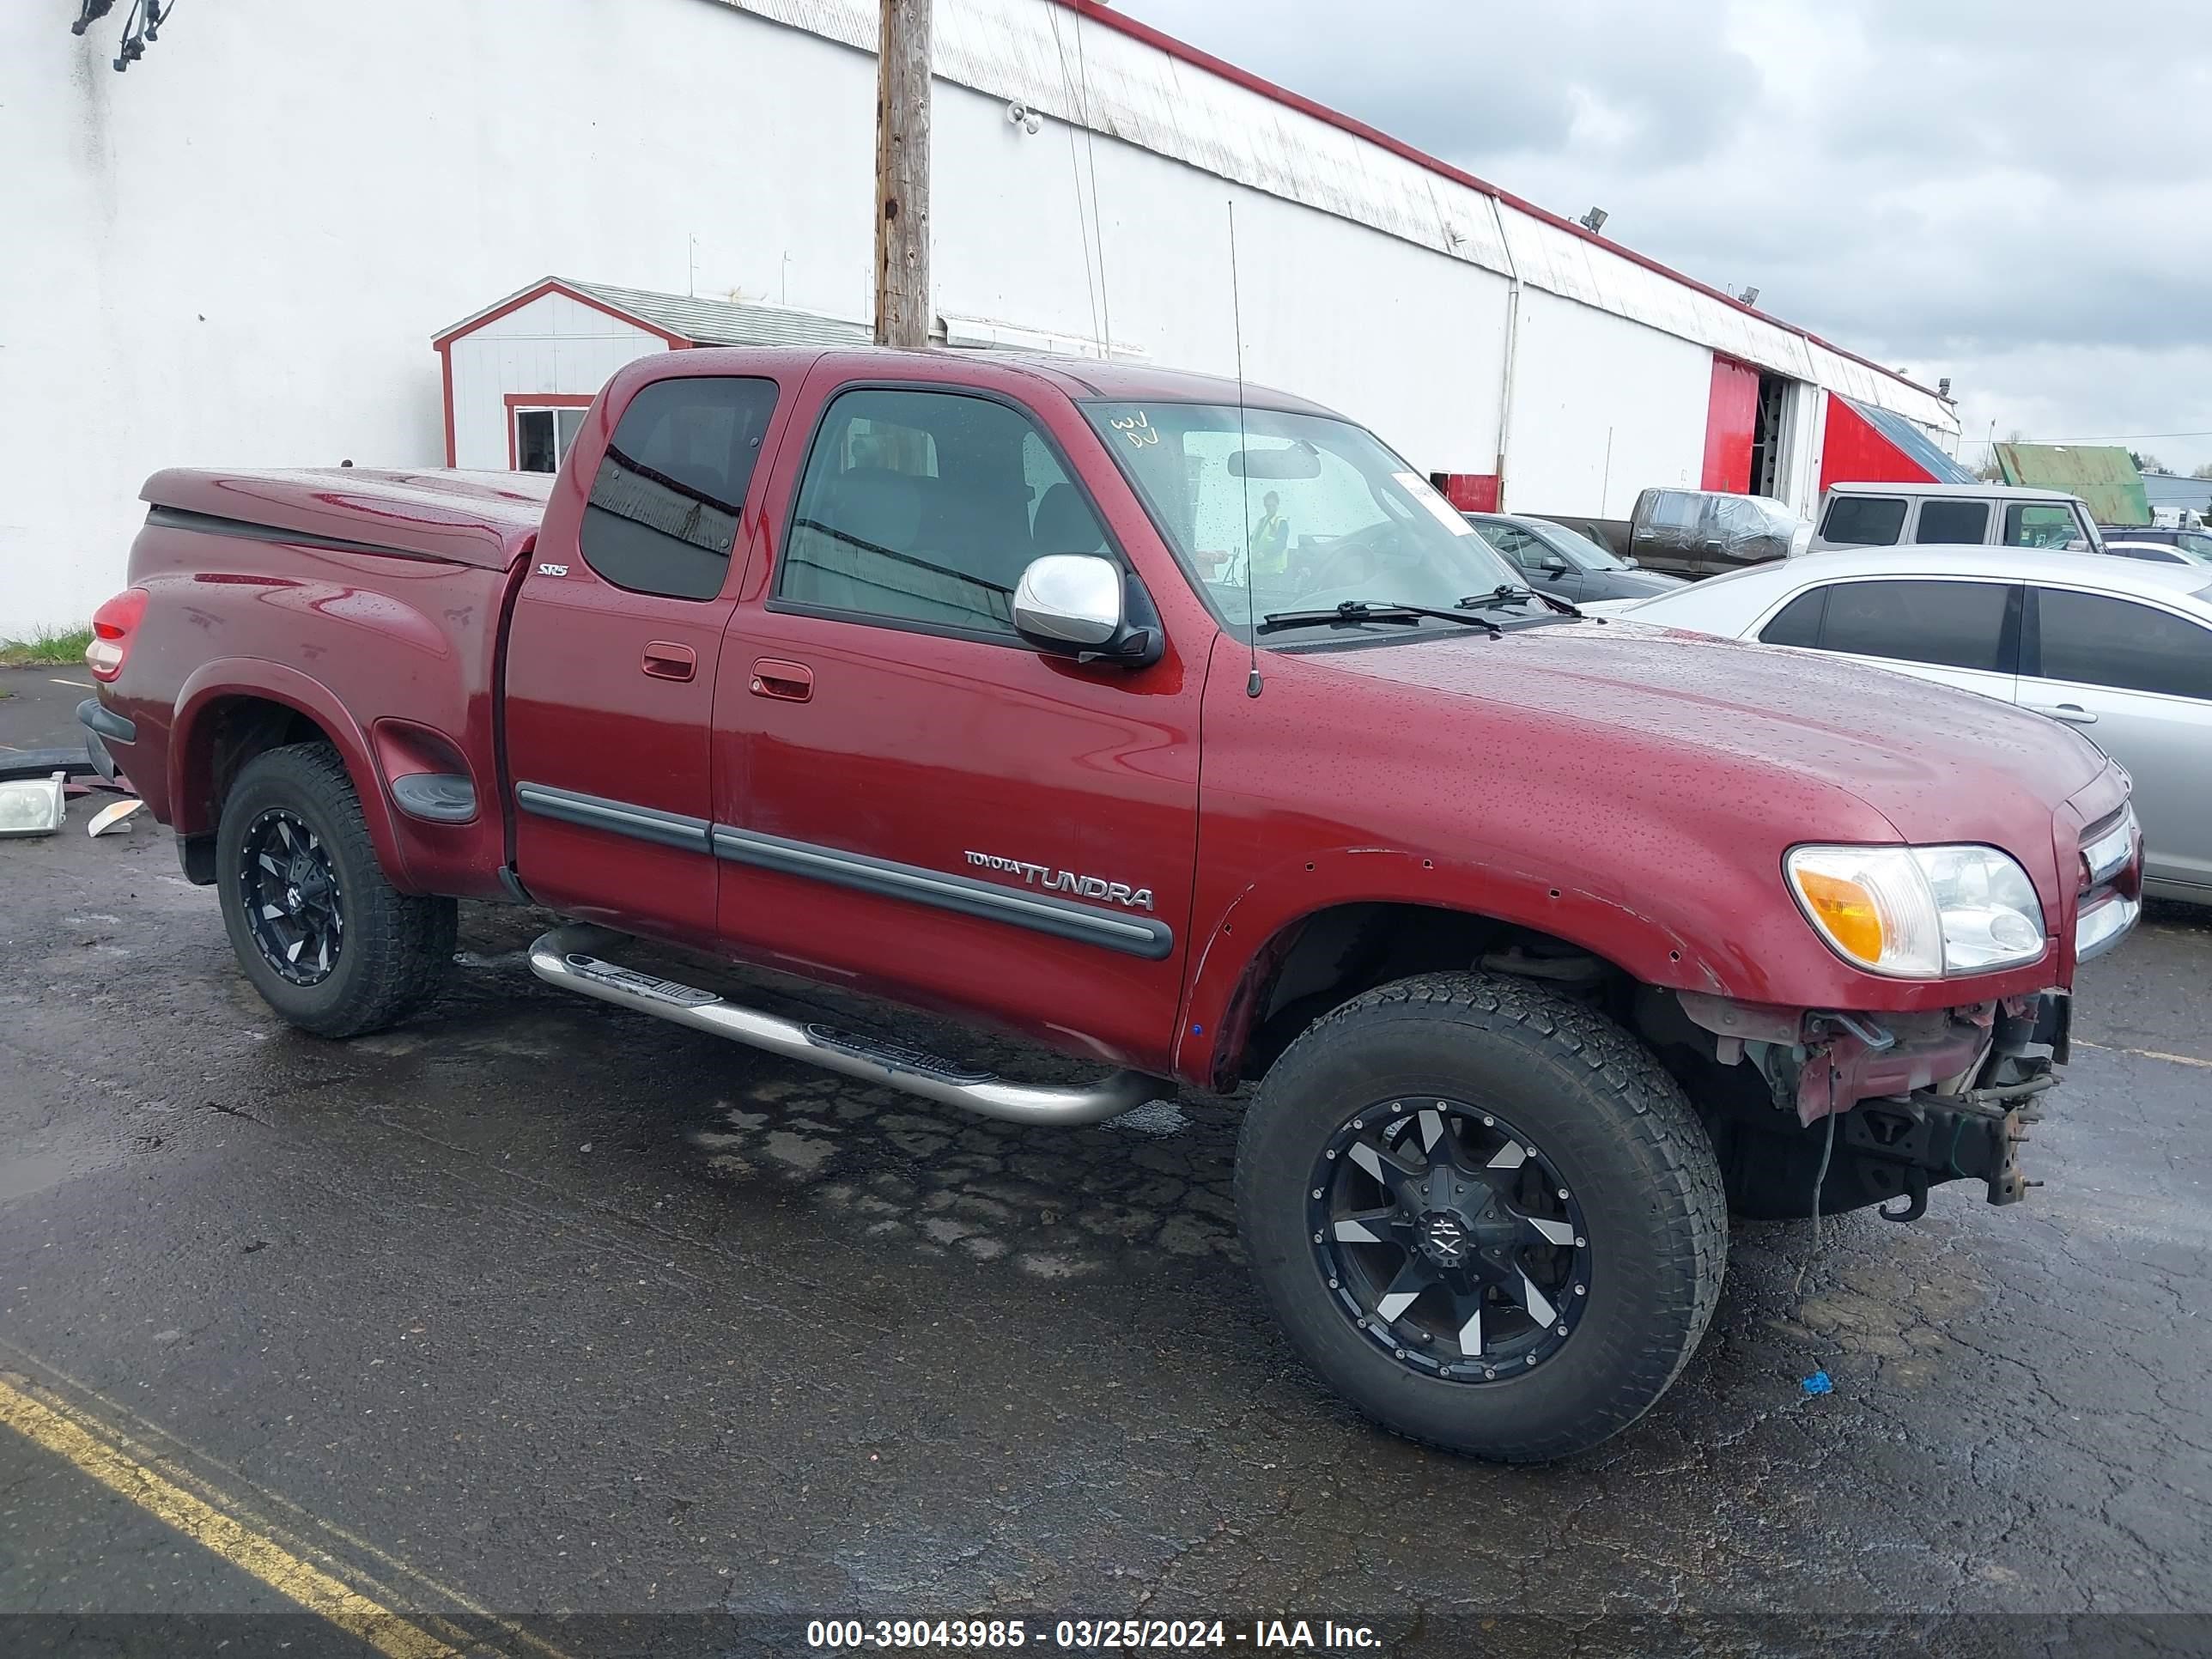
(1919, 912)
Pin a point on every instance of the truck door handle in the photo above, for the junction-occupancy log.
(788, 682)
(2072, 713)
(665, 661)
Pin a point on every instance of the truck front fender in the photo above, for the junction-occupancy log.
(1246, 941)
(193, 757)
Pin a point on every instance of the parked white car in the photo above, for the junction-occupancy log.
(2122, 651)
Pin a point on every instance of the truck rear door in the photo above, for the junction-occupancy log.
(927, 808)
(615, 642)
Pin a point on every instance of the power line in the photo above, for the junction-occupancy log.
(2113, 438)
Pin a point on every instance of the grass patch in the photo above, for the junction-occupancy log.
(47, 647)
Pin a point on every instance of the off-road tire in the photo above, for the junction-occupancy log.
(1603, 1111)
(398, 948)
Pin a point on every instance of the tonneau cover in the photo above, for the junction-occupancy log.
(483, 519)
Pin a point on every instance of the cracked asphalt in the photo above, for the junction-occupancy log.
(590, 1333)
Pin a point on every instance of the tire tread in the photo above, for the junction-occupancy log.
(1688, 1186)
(409, 939)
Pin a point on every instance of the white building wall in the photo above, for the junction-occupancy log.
(1389, 332)
(1603, 408)
(554, 344)
(238, 252)
(219, 258)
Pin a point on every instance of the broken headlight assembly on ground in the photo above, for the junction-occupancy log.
(1919, 912)
(32, 806)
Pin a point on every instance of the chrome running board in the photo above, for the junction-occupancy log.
(566, 957)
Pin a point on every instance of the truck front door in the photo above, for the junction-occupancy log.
(927, 808)
(612, 652)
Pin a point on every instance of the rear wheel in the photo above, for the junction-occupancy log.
(1483, 1213)
(328, 942)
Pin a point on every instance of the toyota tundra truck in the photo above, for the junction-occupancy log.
(1173, 725)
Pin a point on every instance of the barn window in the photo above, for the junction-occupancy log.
(543, 437)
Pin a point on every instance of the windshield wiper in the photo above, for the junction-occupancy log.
(1505, 594)
(1363, 610)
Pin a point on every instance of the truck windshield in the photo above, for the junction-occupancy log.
(1274, 512)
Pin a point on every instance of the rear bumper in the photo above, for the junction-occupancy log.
(101, 724)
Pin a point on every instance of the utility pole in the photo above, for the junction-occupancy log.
(902, 314)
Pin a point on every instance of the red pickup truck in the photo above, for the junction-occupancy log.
(1173, 725)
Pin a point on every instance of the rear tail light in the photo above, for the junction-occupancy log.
(112, 625)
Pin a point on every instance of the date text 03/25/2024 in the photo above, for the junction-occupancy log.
(1293, 1635)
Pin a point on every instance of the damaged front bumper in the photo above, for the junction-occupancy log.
(1918, 1099)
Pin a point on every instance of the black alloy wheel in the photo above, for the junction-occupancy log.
(1449, 1239)
(295, 905)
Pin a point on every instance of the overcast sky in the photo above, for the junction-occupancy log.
(2015, 193)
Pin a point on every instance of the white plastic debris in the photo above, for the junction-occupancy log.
(32, 806)
(116, 814)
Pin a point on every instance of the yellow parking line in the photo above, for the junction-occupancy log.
(208, 1527)
(2146, 1054)
(143, 1441)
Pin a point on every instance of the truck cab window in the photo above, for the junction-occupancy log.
(662, 513)
(925, 507)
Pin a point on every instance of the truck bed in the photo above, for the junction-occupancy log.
(481, 518)
(278, 594)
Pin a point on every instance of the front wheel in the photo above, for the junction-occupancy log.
(1483, 1213)
(330, 944)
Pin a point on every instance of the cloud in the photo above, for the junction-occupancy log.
(2009, 191)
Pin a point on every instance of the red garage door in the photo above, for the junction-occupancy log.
(1731, 425)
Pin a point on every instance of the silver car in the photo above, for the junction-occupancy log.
(2120, 650)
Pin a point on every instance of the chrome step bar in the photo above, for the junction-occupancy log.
(568, 957)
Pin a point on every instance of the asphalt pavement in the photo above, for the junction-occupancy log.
(536, 1326)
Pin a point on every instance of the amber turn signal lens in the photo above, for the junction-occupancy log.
(1846, 910)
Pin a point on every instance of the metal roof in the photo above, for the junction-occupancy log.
(2105, 478)
(689, 321)
(1917, 447)
(725, 322)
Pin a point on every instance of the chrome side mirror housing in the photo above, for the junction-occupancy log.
(1069, 598)
(1081, 604)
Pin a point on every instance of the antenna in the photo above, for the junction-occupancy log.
(1243, 441)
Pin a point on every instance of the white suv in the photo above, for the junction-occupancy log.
(1951, 515)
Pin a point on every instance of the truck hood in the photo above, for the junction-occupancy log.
(483, 519)
(1939, 764)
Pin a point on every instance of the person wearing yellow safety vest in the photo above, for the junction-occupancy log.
(1271, 538)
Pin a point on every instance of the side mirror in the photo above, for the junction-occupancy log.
(1078, 604)
(1554, 565)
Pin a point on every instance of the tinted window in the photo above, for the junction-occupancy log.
(1863, 520)
(1798, 622)
(926, 507)
(1952, 521)
(662, 513)
(2147, 554)
(2040, 524)
(1515, 543)
(2093, 641)
(1952, 624)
